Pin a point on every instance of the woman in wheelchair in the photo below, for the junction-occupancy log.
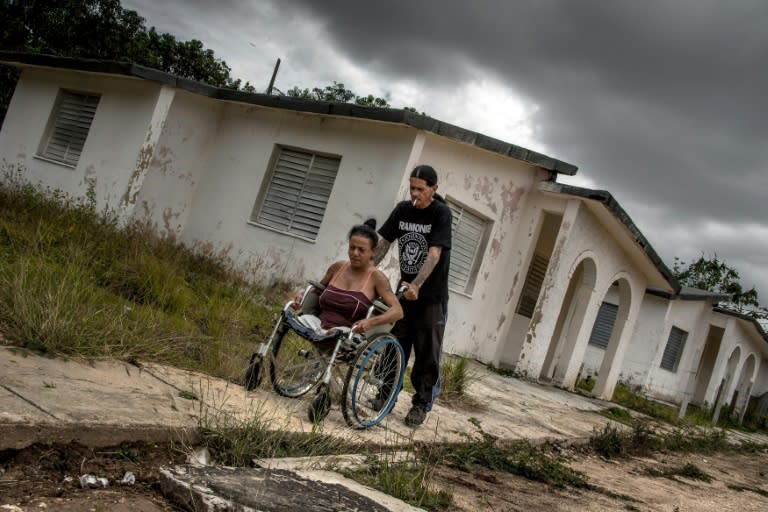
(357, 308)
(351, 287)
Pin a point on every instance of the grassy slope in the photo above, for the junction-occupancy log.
(74, 282)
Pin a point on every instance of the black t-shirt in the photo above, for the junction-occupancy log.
(416, 231)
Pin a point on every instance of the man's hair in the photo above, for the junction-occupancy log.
(426, 173)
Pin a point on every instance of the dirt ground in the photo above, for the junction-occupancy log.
(36, 479)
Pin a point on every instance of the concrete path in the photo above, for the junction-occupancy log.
(44, 399)
(104, 403)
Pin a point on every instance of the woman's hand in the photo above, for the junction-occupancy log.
(361, 326)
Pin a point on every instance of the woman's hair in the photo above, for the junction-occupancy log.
(366, 229)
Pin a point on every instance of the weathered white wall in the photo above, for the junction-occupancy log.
(581, 236)
(513, 334)
(647, 340)
(177, 159)
(373, 162)
(110, 153)
(690, 316)
(761, 383)
(499, 188)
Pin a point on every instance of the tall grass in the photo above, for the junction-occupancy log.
(77, 281)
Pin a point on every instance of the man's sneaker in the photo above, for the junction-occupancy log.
(415, 416)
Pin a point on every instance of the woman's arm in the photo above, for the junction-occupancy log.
(394, 311)
(327, 278)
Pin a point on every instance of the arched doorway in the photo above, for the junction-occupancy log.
(725, 383)
(740, 398)
(570, 319)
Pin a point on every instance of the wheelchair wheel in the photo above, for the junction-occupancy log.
(294, 364)
(254, 373)
(373, 382)
(321, 404)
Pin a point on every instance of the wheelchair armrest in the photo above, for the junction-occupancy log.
(310, 302)
(380, 306)
(317, 284)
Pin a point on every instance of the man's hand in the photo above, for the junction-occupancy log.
(411, 291)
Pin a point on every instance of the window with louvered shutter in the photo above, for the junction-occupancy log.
(71, 123)
(298, 192)
(601, 331)
(674, 349)
(469, 236)
(532, 285)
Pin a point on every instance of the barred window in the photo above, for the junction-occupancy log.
(469, 237)
(674, 349)
(297, 193)
(532, 285)
(601, 331)
(70, 123)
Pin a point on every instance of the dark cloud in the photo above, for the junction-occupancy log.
(662, 103)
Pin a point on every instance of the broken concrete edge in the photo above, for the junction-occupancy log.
(331, 462)
(192, 496)
(385, 500)
(14, 436)
(252, 489)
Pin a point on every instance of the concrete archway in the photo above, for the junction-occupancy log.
(725, 383)
(740, 398)
(707, 364)
(569, 321)
(624, 292)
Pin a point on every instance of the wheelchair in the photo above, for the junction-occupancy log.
(297, 359)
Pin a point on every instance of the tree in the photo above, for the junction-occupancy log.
(716, 276)
(338, 93)
(101, 29)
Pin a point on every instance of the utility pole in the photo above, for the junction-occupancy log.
(274, 74)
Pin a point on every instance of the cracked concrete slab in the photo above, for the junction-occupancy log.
(215, 489)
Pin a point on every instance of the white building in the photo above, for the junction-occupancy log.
(277, 182)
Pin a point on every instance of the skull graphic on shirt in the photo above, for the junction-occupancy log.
(413, 251)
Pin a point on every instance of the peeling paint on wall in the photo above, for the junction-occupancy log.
(142, 164)
(510, 197)
(511, 290)
(495, 249)
(168, 216)
(502, 319)
(484, 189)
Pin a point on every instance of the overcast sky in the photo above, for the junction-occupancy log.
(664, 103)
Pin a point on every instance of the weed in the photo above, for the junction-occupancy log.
(740, 488)
(524, 459)
(689, 440)
(408, 479)
(609, 441)
(187, 395)
(455, 379)
(688, 470)
(587, 384)
(509, 372)
(618, 413)
(632, 398)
